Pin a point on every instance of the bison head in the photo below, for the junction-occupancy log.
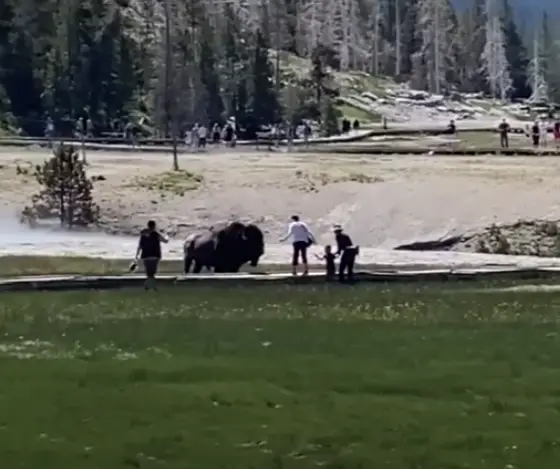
(254, 244)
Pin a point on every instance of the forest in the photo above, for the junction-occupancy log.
(170, 63)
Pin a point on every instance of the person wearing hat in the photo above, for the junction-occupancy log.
(347, 252)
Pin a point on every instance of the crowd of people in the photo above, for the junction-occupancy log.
(197, 136)
(536, 132)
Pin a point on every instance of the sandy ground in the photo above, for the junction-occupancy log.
(381, 201)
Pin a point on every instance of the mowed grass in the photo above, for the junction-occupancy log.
(280, 377)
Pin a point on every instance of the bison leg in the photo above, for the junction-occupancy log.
(197, 267)
(188, 263)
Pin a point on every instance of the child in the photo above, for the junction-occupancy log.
(328, 257)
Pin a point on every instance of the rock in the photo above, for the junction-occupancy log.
(550, 228)
(436, 245)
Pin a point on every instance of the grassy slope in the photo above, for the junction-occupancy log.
(295, 68)
(281, 377)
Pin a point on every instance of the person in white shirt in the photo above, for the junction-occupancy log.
(194, 136)
(302, 238)
(202, 136)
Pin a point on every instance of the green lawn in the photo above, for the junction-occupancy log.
(280, 377)
(352, 113)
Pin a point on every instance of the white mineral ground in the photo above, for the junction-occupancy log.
(381, 201)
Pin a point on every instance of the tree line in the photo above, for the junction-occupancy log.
(164, 64)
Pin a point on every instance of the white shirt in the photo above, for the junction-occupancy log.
(202, 132)
(299, 232)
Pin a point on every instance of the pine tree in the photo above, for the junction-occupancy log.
(494, 61)
(209, 77)
(473, 28)
(516, 54)
(550, 53)
(264, 101)
(437, 27)
(66, 190)
(537, 69)
(330, 119)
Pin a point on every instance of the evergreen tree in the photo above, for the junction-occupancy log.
(210, 78)
(66, 190)
(264, 101)
(330, 119)
(516, 54)
(550, 53)
(104, 59)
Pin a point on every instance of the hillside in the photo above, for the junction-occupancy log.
(109, 63)
(550, 6)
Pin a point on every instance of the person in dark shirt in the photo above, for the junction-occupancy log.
(329, 258)
(347, 252)
(149, 250)
(503, 130)
(536, 134)
(451, 128)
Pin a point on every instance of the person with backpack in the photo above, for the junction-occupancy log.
(302, 238)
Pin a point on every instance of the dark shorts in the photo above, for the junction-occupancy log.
(300, 248)
(151, 267)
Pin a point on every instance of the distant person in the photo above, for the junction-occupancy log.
(216, 134)
(80, 127)
(149, 250)
(503, 130)
(130, 133)
(556, 131)
(302, 238)
(451, 127)
(194, 136)
(202, 134)
(356, 124)
(347, 252)
(228, 134)
(330, 267)
(89, 128)
(306, 133)
(49, 128)
(536, 134)
(543, 127)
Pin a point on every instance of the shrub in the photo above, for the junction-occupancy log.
(66, 191)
